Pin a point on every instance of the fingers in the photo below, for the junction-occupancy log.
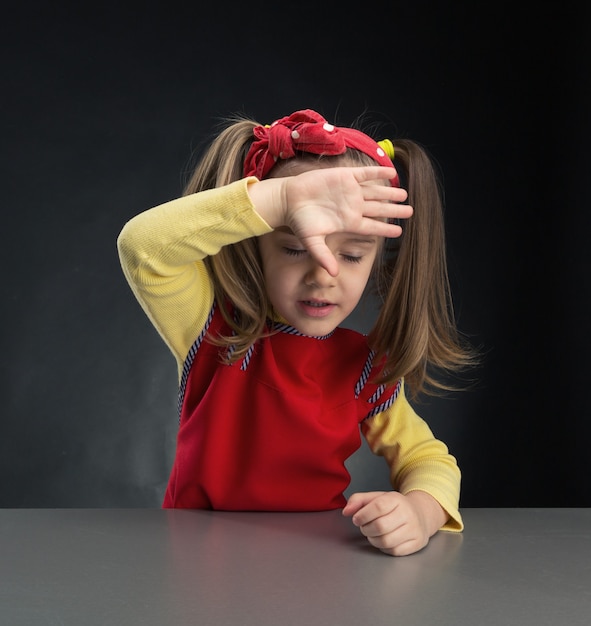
(382, 211)
(372, 226)
(373, 173)
(319, 202)
(371, 506)
(381, 202)
(383, 192)
(358, 500)
(318, 249)
(401, 541)
(387, 522)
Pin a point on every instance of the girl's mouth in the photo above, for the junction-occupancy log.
(316, 308)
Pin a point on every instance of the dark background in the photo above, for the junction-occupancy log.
(103, 108)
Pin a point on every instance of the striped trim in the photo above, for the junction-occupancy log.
(247, 357)
(364, 374)
(189, 361)
(290, 330)
(282, 328)
(387, 404)
(377, 394)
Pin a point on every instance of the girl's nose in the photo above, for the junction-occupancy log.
(318, 276)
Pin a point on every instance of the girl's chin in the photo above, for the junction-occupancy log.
(314, 327)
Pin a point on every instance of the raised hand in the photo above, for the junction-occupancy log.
(322, 201)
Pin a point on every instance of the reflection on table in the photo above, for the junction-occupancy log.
(86, 567)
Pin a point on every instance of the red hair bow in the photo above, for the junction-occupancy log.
(306, 131)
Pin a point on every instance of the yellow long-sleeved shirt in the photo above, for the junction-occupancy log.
(162, 252)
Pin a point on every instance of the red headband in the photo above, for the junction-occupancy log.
(307, 131)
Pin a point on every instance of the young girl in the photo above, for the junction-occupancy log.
(248, 277)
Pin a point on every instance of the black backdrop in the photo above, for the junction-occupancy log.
(102, 108)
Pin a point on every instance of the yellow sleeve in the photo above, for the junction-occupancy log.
(417, 460)
(162, 250)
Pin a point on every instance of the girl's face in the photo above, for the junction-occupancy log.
(303, 292)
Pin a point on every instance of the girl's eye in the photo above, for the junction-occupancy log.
(296, 252)
(293, 251)
(351, 259)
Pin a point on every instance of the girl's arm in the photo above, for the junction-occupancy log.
(162, 251)
(424, 474)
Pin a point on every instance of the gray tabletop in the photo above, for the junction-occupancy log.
(86, 567)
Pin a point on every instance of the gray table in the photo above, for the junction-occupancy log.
(120, 567)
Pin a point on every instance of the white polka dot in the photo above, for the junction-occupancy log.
(381, 152)
(328, 127)
(295, 134)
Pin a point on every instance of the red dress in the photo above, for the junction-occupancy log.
(272, 432)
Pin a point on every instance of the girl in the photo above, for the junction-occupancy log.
(248, 277)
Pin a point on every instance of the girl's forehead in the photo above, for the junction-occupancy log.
(341, 238)
(295, 166)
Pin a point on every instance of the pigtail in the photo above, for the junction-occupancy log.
(235, 270)
(415, 330)
(223, 161)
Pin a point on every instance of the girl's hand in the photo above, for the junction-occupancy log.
(323, 201)
(396, 524)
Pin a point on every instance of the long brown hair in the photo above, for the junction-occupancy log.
(415, 331)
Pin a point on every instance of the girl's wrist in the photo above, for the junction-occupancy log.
(268, 199)
(432, 513)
